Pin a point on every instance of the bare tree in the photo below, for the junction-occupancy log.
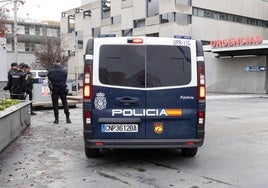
(48, 52)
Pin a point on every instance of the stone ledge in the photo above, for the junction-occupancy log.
(13, 121)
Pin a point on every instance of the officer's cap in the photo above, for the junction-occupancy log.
(14, 64)
(26, 66)
(22, 65)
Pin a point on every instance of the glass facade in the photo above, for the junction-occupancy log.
(229, 17)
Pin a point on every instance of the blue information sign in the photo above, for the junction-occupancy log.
(255, 68)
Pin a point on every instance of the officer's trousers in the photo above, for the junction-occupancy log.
(56, 94)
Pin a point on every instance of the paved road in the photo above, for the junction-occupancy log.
(234, 155)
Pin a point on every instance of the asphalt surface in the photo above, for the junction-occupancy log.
(235, 154)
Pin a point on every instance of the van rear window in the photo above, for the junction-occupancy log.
(144, 66)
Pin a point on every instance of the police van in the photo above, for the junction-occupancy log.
(144, 92)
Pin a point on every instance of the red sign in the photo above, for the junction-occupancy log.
(240, 41)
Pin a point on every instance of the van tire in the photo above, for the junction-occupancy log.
(189, 152)
(92, 153)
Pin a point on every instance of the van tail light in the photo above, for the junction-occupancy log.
(202, 92)
(87, 90)
(201, 82)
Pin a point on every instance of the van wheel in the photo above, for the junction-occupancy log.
(189, 152)
(92, 153)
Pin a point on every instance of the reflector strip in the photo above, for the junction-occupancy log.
(89, 57)
(190, 143)
(99, 143)
(200, 58)
(201, 120)
(87, 78)
(174, 112)
(202, 79)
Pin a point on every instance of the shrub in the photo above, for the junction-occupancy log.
(7, 103)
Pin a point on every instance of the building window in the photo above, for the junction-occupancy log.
(223, 16)
(87, 13)
(153, 35)
(9, 46)
(229, 17)
(139, 23)
(95, 32)
(127, 32)
(52, 32)
(176, 17)
(27, 30)
(106, 9)
(168, 17)
(44, 31)
(71, 23)
(21, 29)
(78, 10)
(79, 39)
(37, 30)
(201, 13)
(184, 2)
(58, 32)
(152, 8)
(32, 30)
(116, 19)
(21, 47)
(27, 47)
(64, 14)
(182, 18)
(71, 53)
(205, 42)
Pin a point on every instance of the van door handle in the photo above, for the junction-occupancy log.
(127, 100)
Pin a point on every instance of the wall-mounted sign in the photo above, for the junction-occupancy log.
(240, 41)
(255, 68)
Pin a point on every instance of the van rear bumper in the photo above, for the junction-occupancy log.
(143, 143)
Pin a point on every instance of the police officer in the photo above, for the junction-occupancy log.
(57, 77)
(29, 85)
(16, 83)
(14, 68)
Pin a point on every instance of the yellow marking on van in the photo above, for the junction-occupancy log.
(174, 112)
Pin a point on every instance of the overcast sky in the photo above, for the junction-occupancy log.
(46, 9)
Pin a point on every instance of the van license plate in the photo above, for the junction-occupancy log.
(119, 128)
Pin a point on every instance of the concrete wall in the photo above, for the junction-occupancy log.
(229, 75)
(13, 121)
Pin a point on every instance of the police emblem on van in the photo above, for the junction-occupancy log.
(158, 128)
(100, 101)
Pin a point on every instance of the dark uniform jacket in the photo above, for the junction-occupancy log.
(58, 77)
(16, 82)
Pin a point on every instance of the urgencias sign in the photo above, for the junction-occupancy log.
(240, 41)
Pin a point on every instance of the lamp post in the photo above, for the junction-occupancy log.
(15, 31)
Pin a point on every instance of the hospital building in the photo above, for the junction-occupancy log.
(234, 34)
